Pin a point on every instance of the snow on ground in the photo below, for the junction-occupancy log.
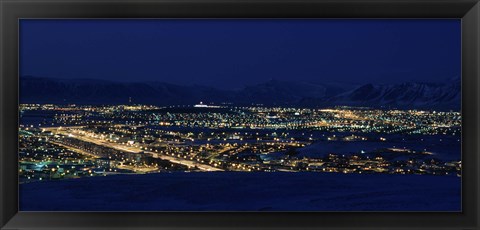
(447, 150)
(237, 191)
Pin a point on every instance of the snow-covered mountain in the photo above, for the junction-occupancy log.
(88, 91)
(288, 92)
(406, 95)
(445, 96)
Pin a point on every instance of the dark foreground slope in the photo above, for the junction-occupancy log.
(245, 191)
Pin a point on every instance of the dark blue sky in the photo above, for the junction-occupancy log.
(234, 53)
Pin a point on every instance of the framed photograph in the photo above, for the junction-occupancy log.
(239, 114)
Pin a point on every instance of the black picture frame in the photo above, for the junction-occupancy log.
(13, 10)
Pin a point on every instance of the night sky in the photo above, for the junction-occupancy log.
(234, 53)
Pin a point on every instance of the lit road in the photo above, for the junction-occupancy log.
(185, 162)
(189, 163)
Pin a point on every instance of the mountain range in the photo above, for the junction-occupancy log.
(412, 95)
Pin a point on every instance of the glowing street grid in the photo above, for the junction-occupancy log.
(82, 141)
